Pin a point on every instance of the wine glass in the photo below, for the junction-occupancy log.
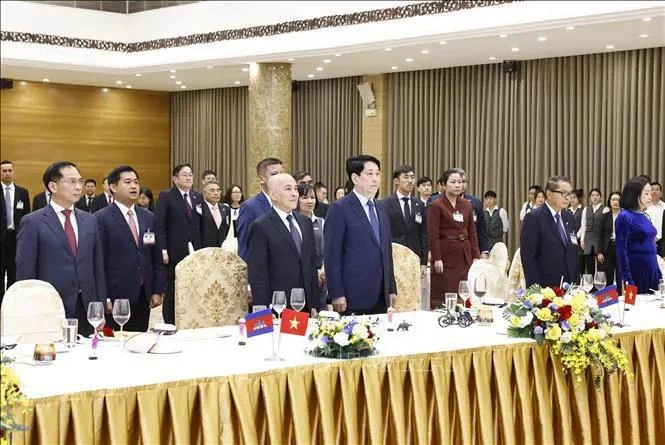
(661, 288)
(480, 287)
(121, 312)
(599, 280)
(278, 302)
(95, 314)
(298, 299)
(587, 282)
(463, 290)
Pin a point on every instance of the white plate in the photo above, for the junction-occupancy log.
(166, 347)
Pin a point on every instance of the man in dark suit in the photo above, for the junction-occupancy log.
(134, 265)
(103, 199)
(61, 245)
(41, 200)
(281, 249)
(548, 245)
(478, 217)
(216, 218)
(85, 203)
(439, 190)
(408, 218)
(321, 192)
(178, 217)
(357, 247)
(15, 203)
(259, 204)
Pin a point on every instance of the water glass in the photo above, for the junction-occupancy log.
(259, 308)
(451, 301)
(278, 301)
(121, 312)
(587, 282)
(480, 287)
(70, 327)
(95, 314)
(661, 288)
(297, 299)
(599, 280)
(463, 290)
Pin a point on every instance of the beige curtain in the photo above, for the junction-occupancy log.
(208, 130)
(327, 128)
(598, 118)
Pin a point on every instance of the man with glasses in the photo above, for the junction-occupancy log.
(61, 245)
(548, 244)
(178, 218)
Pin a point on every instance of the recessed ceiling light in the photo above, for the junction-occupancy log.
(244, 70)
(171, 77)
(237, 82)
(209, 67)
(290, 59)
(326, 60)
(319, 68)
(646, 19)
(389, 49)
(610, 46)
(45, 80)
(644, 35)
(138, 74)
(542, 38)
(183, 86)
(105, 90)
(425, 51)
(178, 82)
(310, 75)
(409, 59)
(503, 36)
(338, 54)
(128, 86)
(119, 82)
(570, 28)
(393, 67)
(443, 43)
(23, 82)
(514, 49)
(492, 58)
(171, 71)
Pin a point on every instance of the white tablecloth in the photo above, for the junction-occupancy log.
(204, 354)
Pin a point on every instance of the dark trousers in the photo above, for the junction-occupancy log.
(590, 263)
(168, 305)
(379, 308)
(8, 261)
(139, 316)
(609, 266)
(85, 328)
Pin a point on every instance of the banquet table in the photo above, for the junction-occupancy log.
(427, 385)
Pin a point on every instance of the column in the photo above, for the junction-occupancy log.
(269, 120)
(375, 130)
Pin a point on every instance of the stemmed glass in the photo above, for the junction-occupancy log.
(297, 299)
(463, 290)
(480, 287)
(278, 305)
(587, 282)
(121, 312)
(599, 280)
(95, 317)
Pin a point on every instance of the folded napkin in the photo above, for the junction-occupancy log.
(493, 301)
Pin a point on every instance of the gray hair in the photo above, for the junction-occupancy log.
(554, 180)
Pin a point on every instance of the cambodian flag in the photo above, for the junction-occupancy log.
(259, 322)
(607, 296)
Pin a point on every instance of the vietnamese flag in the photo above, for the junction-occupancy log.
(294, 322)
(630, 294)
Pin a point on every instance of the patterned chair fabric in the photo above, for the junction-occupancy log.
(210, 289)
(515, 277)
(407, 276)
(661, 265)
(33, 311)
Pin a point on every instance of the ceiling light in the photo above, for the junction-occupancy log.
(23, 82)
(644, 35)
(409, 59)
(178, 82)
(310, 75)
(105, 90)
(442, 43)
(503, 36)
(138, 74)
(393, 67)
(290, 59)
(646, 19)
(128, 86)
(171, 71)
(514, 49)
(492, 58)
(183, 86)
(319, 68)
(244, 70)
(45, 80)
(326, 60)
(389, 49)
(237, 82)
(209, 67)
(338, 54)
(425, 51)
(542, 38)
(609, 46)
(570, 28)
(171, 77)
(119, 82)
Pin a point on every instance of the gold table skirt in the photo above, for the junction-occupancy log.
(494, 395)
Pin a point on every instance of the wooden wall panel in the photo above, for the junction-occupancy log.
(41, 123)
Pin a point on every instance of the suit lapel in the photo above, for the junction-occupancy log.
(552, 224)
(357, 208)
(397, 209)
(265, 204)
(180, 201)
(53, 223)
(117, 214)
(281, 228)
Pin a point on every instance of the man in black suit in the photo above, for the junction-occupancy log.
(408, 218)
(178, 217)
(41, 200)
(321, 192)
(281, 249)
(215, 218)
(85, 203)
(15, 203)
(104, 199)
(548, 245)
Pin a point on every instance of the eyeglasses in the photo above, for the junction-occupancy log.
(563, 193)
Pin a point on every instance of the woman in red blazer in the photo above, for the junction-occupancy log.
(452, 238)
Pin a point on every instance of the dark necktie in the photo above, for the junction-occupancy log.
(374, 221)
(562, 232)
(407, 209)
(69, 231)
(89, 201)
(294, 233)
(188, 207)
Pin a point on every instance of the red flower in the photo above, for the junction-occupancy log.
(558, 291)
(565, 312)
(467, 303)
(107, 331)
(538, 323)
(588, 326)
(545, 303)
(370, 334)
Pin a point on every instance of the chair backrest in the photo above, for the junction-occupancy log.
(516, 274)
(495, 277)
(210, 289)
(407, 277)
(499, 256)
(33, 311)
(661, 265)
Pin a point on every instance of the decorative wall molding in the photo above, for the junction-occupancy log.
(331, 21)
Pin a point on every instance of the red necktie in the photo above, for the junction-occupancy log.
(69, 231)
(110, 199)
(188, 207)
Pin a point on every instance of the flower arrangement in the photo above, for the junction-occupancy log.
(571, 324)
(12, 399)
(345, 338)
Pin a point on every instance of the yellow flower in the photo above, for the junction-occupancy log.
(514, 321)
(578, 302)
(574, 320)
(548, 293)
(593, 335)
(553, 332)
(558, 301)
(544, 314)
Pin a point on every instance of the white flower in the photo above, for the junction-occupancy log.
(341, 339)
(603, 334)
(526, 320)
(566, 337)
(581, 325)
(360, 331)
(318, 343)
(592, 304)
(538, 298)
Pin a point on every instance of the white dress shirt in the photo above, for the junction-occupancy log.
(655, 212)
(267, 197)
(124, 211)
(61, 217)
(523, 210)
(580, 233)
(282, 214)
(503, 215)
(219, 212)
(401, 202)
(12, 196)
(363, 203)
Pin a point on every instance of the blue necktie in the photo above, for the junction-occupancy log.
(562, 232)
(294, 233)
(374, 221)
